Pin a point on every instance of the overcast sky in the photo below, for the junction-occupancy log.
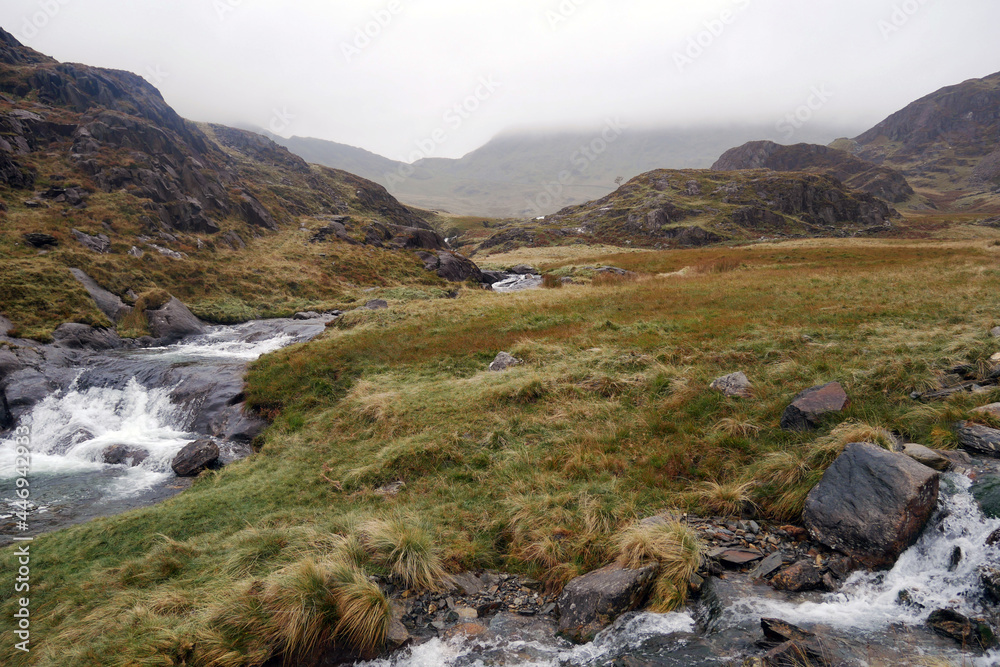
(454, 73)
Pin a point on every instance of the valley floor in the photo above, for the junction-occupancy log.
(534, 470)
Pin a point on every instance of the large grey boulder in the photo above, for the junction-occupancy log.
(196, 457)
(809, 407)
(173, 322)
(871, 504)
(451, 266)
(592, 602)
(120, 455)
(980, 440)
(85, 337)
(109, 304)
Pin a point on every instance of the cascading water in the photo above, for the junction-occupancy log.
(880, 617)
(149, 403)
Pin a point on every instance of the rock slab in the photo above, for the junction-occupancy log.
(969, 632)
(504, 361)
(871, 504)
(592, 602)
(926, 456)
(980, 440)
(809, 407)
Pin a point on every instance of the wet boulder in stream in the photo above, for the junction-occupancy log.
(196, 457)
(85, 337)
(173, 322)
(979, 440)
(871, 504)
(592, 602)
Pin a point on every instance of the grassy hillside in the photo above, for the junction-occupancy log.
(534, 470)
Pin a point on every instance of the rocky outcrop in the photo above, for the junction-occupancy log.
(809, 408)
(871, 504)
(592, 602)
(195, 458)
(173, 321)
(852, 171)
(99, 243)
(451, 266)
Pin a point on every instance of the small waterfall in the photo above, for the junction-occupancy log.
(72, 430)
(151, 402)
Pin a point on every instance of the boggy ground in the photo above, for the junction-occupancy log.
(532, 471)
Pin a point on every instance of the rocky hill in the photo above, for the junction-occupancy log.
(516, 174)
(99, 173)
(685, 208)
(855, 172)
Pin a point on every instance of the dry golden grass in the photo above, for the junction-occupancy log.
(405, 545)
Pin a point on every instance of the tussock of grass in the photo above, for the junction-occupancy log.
(675, 547)
(405, 547)
(728, 499)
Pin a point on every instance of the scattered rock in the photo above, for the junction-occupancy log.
(736, 557)
(308, 315)
(376, 304)
(969, 632)
(871, 504)
(736, 385)
(100, 243)
(118, 455)
(40, 240)
(802, 576)
(195, 458)
(173, 322)
(135, 252)
(503, 362)
(767, 566)
(926, 456)
(809, 407)
(980, 440)
(995, 332)
(167, 252)
(592, 602)
(467, 583)
(792, 646)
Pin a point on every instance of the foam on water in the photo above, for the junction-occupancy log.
(627, 635)
(71, 431)
(225, 343)
(924, 572)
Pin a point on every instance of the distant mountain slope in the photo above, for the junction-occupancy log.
(880, 181)
(946, 141)
(671, 208)
(528, 174)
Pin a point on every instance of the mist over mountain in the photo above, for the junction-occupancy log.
(531, 173)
